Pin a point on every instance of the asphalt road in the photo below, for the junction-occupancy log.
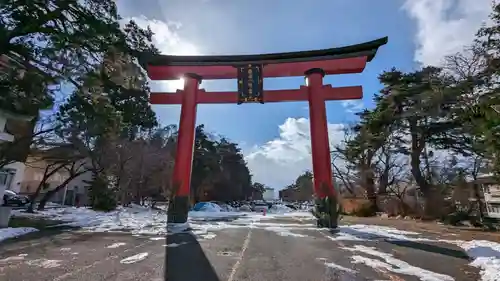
(265, 252)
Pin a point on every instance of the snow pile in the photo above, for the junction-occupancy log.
(296, 215)
(388, 262)
(214, 216)
(486, 255)
(227, 208)
(136, 219)
(134, 258)
(12, 232)
(370, 232)
(245, 208)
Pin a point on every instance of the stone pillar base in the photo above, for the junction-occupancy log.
(4, 216)
(178, 209)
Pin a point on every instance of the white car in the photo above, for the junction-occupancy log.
(260, 207)
(12, 199)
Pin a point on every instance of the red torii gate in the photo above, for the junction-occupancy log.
(250, 71)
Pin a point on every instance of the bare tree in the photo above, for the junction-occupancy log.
(51, 168)
(76, 168)
(141, 168)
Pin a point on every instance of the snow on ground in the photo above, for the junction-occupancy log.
(116, 245)
(208, 216)
(19, 257)
(11, 232)
(370, 232)
(135, 258)
(44, 263)
(486, 255)
(206, 224)
(390, 263)
(336, 266)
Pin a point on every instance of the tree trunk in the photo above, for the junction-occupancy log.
(50, 193)
(42, 185)
(480, 205)
(433, 204)
(33, 198)
(369, 184)
(370, 192)
(45, 199)
(425, 187)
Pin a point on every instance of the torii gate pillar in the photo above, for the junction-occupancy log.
(320, 145)
(181, 178)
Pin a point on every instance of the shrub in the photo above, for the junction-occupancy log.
(327, 212)
(365, 210)
(102, 197)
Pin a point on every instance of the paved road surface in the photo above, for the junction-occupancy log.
(235, 254)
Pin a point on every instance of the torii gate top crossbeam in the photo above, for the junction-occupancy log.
(348, 59)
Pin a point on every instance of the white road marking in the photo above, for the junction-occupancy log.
(240, 256)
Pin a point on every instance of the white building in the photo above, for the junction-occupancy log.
(492, 200)
(11, 175)
(6, 174)
(268, 194)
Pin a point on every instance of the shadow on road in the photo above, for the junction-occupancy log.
(402, 243)
(43, 233)
(186, 261)
(430, 248)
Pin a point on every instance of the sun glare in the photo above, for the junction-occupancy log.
(179, 84)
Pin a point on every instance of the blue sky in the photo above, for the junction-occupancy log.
(266, 132)
(262, 26)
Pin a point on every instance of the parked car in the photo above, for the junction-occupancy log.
(260, 207)
(12, 199)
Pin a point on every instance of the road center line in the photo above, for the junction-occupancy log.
(240, 256)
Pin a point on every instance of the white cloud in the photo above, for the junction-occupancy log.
(353, 106)
(444, 27)
(168, 41)
(278, 162)
(166, 37)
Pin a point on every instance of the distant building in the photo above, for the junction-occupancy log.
(295, 194)
(75, 192)
(256, 195)
(268, 194)
(487, 188)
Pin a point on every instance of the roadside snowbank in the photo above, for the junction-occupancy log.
(485, 255)
(136, 219)
(12, 232)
